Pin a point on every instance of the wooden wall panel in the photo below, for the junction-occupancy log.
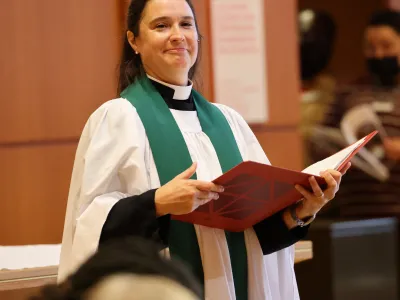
(19, 294)
(204, 80)
(282, 62)
(280, 137)
(283, 147)
(35, 183)
(57, 64)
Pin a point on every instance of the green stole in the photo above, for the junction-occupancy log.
(172, 157)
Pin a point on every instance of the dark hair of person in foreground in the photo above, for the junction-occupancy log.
(120, 256)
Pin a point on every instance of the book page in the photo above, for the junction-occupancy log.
(356, 122)
(333, 161)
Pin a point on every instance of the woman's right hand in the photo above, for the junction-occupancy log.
(183, 195)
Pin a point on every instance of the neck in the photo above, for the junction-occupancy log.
(179, 92)
(178, 79)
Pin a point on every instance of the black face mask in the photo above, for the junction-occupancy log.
(386, 69)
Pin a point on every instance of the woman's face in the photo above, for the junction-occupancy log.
(167, 41)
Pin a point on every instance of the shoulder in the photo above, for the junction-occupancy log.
(115, 112)
(114, 118)
(247, 142)
(230, 114)
(236, 122)
(118, 108)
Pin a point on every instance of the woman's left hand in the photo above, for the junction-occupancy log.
(318, 198)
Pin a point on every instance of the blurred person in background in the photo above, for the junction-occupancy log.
(362, 193)
(382, 51)
(126, 269)
(317, 32)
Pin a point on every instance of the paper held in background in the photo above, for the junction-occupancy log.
(355, 123)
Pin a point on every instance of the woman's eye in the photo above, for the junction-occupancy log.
(161, 26)
(187, 24)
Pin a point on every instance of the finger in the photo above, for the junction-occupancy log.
(332, 183)
(200, 195)
(207, 186)
(200, 202)
(315, 187)
(346, 168)
(335, 174)
(188, 172)
(304, 192)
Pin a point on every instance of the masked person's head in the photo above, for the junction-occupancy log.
(382, 46)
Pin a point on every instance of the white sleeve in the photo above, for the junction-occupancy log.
(247, 142)
(109, 165)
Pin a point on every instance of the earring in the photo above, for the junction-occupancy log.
(136, 52)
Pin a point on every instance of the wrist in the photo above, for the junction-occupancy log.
(300, 215)
(159, 205)
(303, 212)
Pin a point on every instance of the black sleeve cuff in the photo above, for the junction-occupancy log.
(132, 216)
(274, 235)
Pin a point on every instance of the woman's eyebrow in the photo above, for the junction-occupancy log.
(165, 18)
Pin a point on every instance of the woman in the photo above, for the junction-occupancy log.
(134, 168)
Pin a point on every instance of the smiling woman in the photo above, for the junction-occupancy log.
(166, 43)
(154, 152)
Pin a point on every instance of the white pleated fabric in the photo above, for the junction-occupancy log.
(114, 161)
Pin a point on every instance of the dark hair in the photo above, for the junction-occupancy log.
(131, 64)
(317, 37)
(386, 17)
(120, 256)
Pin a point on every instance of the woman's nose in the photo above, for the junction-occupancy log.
(177, 35)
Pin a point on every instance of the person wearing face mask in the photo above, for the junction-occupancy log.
(153, 152)
(382, 50)
(363, 195)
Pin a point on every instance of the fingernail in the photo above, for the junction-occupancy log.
(221, 189)
(216, 196)
(296, 187)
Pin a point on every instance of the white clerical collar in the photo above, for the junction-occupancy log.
(181, 92)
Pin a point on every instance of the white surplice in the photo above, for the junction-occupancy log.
(114, 161)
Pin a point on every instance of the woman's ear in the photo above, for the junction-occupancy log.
(132, 41)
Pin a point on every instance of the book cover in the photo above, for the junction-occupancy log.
(255, 191)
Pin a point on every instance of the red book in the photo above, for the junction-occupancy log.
(255, 191)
